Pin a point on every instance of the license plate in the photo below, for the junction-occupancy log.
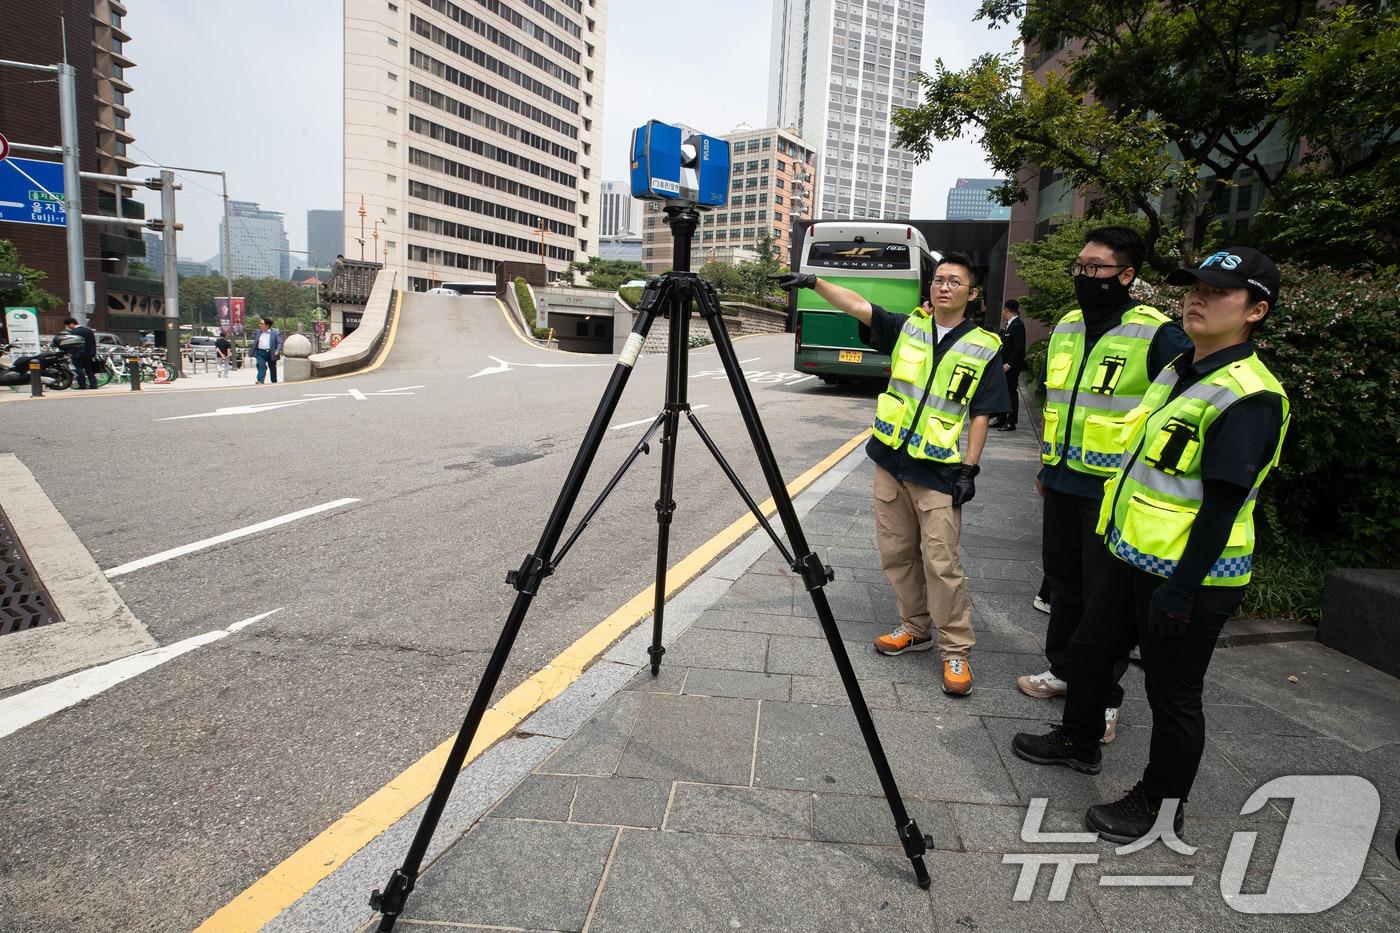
(849, 356)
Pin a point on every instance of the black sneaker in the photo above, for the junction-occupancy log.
(1057, 748)
(1129, 819)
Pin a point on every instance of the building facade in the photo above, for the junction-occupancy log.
(29, 114)
(259, 242)
(473, 134)
(772, 174)
(971, 199)
(838, 69)
(620, 214)
(625, 247)
(325, 232)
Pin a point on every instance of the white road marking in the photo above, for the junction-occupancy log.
(23, 709)
(633, 424)
(241, 409)
(357, 394)
(752, 359)
(220, 539)
(758, 376)
(503, 366)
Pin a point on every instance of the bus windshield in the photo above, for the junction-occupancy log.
(857, 254)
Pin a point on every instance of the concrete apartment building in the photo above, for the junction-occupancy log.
(771, 181)
(621, 214)
(473, 132)
(259, 242)
(29, 114)
(838, 69)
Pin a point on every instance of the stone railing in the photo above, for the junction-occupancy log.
(360, 348)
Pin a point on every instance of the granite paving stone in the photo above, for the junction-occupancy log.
(737, 620)
(620, 801)
(740, 811)
(830, 691)
(516, 873)
(689, 738)
(862, 820)
(539, 797)
(701, 647)
(973, 891)
(754, 685)
(597, 746)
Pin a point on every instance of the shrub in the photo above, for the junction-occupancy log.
(1333, 341)
(527, 304)
(1035, 366)
(631, 296)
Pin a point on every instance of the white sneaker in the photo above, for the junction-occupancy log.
(1110, 726)
(1042, 686)
(1040, 605)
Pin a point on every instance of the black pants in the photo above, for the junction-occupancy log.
(1075, 561)
(1115, 619)
(1013, 380)
(82, 368)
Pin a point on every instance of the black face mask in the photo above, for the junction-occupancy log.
(1100, 296)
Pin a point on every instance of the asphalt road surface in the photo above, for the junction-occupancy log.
(156, 802)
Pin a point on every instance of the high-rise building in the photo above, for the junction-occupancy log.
(971, 199)
(155, 251)
(473, 134)
(325, 233)
(838, 69)
(29, 114)
(259, 242)
(771, 177)
(621, 214)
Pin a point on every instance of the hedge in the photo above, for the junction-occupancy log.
(527, 304)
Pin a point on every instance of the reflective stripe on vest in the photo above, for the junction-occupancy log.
(936, 390)
(1150, 508)
(1089, 394)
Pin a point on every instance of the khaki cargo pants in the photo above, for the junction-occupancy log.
(917, 530)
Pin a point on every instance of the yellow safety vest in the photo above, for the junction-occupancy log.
(925, 404)
(1088, 395)
(1150, 506)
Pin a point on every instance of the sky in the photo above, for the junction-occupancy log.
(255, 90)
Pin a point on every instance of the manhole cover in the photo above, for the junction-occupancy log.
(24, 603)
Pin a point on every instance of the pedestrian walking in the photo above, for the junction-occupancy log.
(1178, 523)
(267, 348)
(944, 373)
(1013, 359)
(224, 351)
(83, 356)
(1100, 360)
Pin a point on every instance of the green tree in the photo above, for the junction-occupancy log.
(140, 270)
(197, 293)
(609, 273)
(31, 294)
(1160, 105)
(723, 276)
(755, 275)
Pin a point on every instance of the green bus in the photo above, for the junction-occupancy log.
(888, 263)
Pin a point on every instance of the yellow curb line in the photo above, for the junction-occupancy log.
(285, 884)
(379, 361)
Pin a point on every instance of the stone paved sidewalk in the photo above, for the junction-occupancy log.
(733, 792)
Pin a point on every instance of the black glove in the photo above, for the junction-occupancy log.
(1168, 612)
(963, 487)
(793, 280)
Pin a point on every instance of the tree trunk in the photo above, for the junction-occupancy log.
(1190, 214)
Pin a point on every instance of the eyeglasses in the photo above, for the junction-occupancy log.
(1091, 269)
(953, 283)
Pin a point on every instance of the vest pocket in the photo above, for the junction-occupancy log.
(908, 362)
(889, 418)
(1239, 535)
(1156, 528)
(940, 433)
(1105, 437)
(1049, 448)
(1057, 370)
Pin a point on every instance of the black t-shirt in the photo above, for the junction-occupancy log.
(990, 398)
(1168, 343)
(223, 346)
(1243, 438)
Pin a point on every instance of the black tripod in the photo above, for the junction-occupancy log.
(670, 295)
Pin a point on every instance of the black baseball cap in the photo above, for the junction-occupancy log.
(1234, 267)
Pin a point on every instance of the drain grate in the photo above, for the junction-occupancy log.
(24, 603)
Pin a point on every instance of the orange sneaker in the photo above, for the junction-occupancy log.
(957, 677)
(900, 641)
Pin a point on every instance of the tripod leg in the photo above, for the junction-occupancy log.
(677, 348)
(390, 901)
(816, 576)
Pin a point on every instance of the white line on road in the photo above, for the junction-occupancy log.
(357, 394)
(752, 359)
(220, 539)
(503, 366)
(633, 424)
(29, 707)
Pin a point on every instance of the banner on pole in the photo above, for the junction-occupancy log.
(236, 305)
(221, 305)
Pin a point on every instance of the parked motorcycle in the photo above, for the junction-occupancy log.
(54, 371)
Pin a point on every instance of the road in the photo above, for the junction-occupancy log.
(154, 803)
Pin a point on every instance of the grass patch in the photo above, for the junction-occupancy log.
(1287, 581)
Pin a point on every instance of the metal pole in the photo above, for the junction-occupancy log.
(72, 193)
(172, 277)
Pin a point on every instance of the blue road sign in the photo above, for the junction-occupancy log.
(31, 192)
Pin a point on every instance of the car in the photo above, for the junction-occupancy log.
(202, 348)
(635, 283)
(442, 291)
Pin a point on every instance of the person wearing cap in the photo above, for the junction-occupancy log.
(1178, 519)
(1098, 364)
(945, 372)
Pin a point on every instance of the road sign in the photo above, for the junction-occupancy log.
(23, 327)
(4, 148)
(31, 192)
(11, 280)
